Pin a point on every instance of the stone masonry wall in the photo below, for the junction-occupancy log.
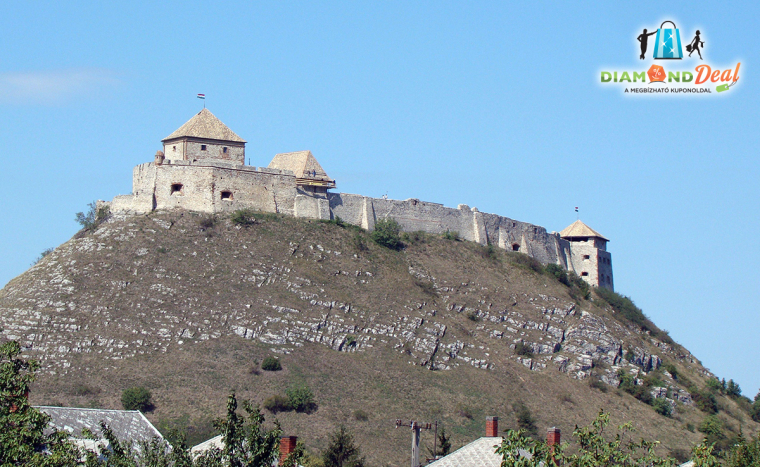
(191, 151)
(207, 187)
(220, 186)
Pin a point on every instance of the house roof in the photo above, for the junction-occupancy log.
(479, 453)
(301, 163)
(126, 424)
(579, 229)
(205, 125)
(215, 442)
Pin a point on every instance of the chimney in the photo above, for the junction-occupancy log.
(492, 427)
(287, 445)
(552, 436)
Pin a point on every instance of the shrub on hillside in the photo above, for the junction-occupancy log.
(301, 399)
(627, 311)
(525, 420)
(137, 398)
(360, 415)
(207, 222)
(358, 242)
(414, 237)
(704, 400)
(271, 364)
(278, 403)
(44, 253)
(449, 235)
(524, 350)
(662, 407)
(711, 425)
(755, 410)
(243, 217)
(386, 234)
(558, 272)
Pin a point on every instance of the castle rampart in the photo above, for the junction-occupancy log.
(215, 179)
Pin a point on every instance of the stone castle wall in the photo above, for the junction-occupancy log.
(207, 186)
(220, 186)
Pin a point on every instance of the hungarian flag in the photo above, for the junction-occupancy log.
(201, 96)
(576, 209)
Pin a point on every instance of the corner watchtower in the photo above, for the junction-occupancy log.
(588, 254)
(204, 137)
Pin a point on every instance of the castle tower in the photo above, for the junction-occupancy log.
(589, 257)
(204, 137)
(311, 178)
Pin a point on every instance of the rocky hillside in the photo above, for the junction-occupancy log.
(189, 306)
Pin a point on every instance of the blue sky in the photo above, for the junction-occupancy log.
(497, 105)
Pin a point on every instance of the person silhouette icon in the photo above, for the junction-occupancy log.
(695, 45)
(643, 39)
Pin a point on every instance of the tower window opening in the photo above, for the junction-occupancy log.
(176, 188)
(515, 247)
(174, 148)
(227, 195)
(203, 147)
(584, 274)
(586, 256)
(224, 150)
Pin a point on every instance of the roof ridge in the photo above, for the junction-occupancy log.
(205, 125)
(84, 408)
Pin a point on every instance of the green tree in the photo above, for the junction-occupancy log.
(137, 398)
(755, 410)
(733, 389)
(744, 453)
(443, 446)
(386, 234)
(341, 452)
(595, 448)
(23, 428)
(246, 441)
(93, 217)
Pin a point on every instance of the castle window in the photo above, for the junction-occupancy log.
(586, 256)
(515, 247)
(584, 274)
(224, 150)
(227, 195)
(203, 147)
(176, 188)
(174, 148)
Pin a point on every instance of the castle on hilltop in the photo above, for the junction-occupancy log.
(202, 168)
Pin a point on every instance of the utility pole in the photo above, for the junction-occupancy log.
(416, 427)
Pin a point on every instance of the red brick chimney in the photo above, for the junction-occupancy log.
(492, 427)
(552, 436)
(552, 439)
(287, 445)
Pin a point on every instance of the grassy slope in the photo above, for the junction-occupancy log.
(211, 276)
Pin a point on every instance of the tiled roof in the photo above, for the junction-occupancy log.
(302, 163)
(205, 125)
(215, 442)
(126, 424)
(479, 453)
(579, 229)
